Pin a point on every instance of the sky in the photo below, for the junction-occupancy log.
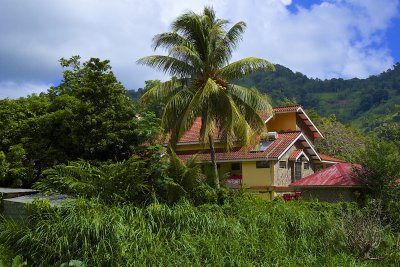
(319, 38)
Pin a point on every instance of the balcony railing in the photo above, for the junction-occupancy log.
(234, 181)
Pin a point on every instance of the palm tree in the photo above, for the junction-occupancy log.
(199, 49)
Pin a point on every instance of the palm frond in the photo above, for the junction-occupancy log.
(162, 90)
(167, 64)
(228, 43)
(244, 67)
(169, 40)
(197, 104)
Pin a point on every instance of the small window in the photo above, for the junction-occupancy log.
(235, 166)
(262, 164)
(282, 164)
(306, 165)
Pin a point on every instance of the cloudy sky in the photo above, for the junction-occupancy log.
(320, 38)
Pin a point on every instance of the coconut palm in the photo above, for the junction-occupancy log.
(199, 49)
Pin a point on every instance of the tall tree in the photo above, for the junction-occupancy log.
(199, 49)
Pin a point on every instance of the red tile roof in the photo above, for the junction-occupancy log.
(193, 134)
(328, 158)
(335, 175)
(274, 150)
(294, 108)
(295, 154)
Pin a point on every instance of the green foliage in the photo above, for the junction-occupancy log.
(379, 170)
(389, 133)
(6, 256)
(245, 231)
(87, 116)
(187, 180)
(339, 140)
(379, 174)
(15, 169)
(135, 180)
(16, 262)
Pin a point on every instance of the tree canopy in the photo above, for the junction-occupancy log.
(87, 116)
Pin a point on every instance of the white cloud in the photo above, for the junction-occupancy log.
(335, 38)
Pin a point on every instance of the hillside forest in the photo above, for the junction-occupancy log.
(363, 103)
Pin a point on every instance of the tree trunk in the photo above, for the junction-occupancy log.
(213, 161)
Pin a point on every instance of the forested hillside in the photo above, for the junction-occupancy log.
(364, 103)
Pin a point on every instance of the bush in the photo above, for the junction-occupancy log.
(135, 180)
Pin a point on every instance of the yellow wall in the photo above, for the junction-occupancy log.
(282, 122)
(255, 177)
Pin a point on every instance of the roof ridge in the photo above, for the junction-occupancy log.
(291, 106)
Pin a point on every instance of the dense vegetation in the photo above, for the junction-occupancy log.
(244, 231)
(86, 117)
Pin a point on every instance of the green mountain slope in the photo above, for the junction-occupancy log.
(364, 103)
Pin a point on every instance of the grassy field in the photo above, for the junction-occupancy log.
(243, 232)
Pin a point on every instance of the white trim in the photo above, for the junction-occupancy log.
(302, 110)
(308, 142)
(334, 162)
(270, 117)
(312, 147)
(289, 146)
(288, 111)
(298, 156)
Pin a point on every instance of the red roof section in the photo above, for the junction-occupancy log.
(295, 154)
(335, 175)
(294, 108)
(328, 158)
(274, 150)
(193, 134)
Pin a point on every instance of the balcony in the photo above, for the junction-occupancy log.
(234, 182)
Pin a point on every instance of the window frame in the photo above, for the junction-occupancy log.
(306, 164)
(280, 164)
(266, 166)
(237, 167)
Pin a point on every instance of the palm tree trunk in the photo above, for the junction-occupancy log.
(213, 161)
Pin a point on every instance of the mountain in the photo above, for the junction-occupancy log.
(363, 103)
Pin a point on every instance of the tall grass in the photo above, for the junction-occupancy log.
(243, 232)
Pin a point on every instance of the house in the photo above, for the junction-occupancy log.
(287, 154)
(332, 184)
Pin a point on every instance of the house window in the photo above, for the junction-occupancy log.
(282, 164)
(262, 164)
(235, 166)
(306, 165)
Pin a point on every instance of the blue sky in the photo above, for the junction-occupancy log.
(322, 39)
